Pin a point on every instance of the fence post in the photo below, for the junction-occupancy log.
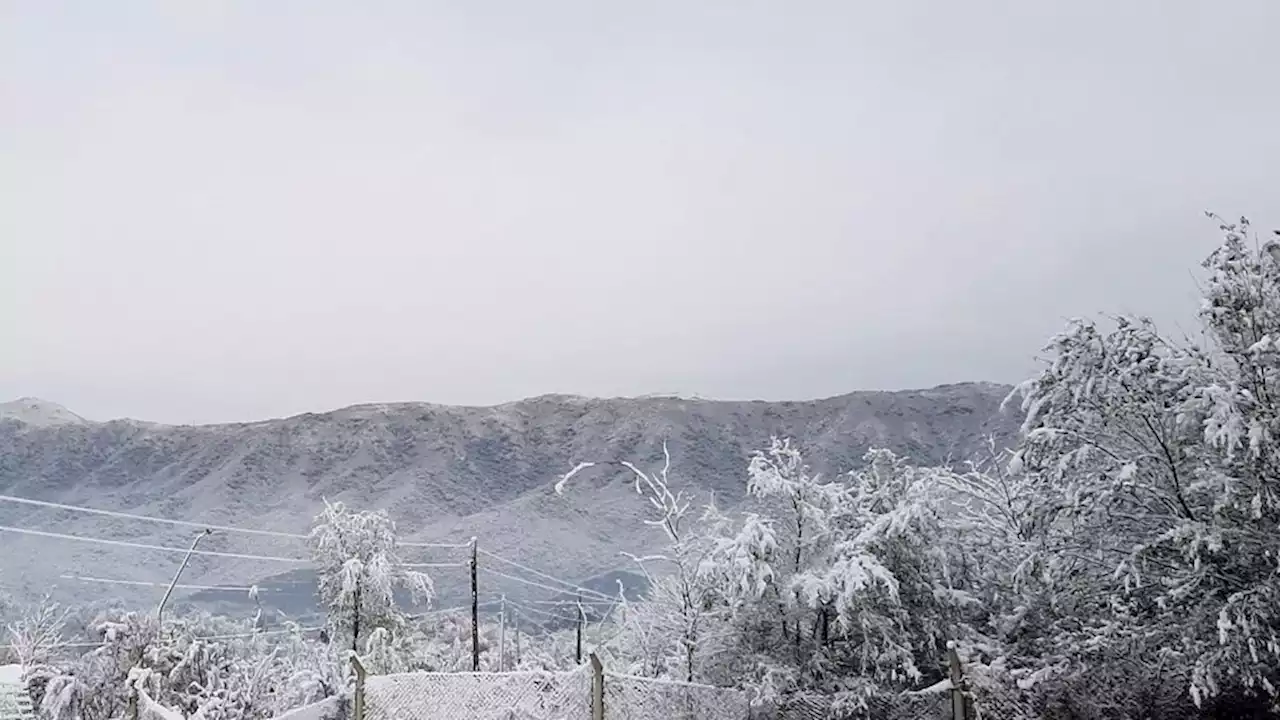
(597, 688)
(958, 706)
(475, 612)
(502, 637)
(581, 621)
(358, 700)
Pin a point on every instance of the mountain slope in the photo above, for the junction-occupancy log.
(444, 473)
(42, 413)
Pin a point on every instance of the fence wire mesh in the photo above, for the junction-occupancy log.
(15, 704)
(627, 697)
(934, 706)
(988, 699)
(479, 696)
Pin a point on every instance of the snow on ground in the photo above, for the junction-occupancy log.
(323, 710)
(10, 674)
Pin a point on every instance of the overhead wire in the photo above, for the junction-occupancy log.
(146, 518)
(198, 525)
(567, 585)
(545, 576)
(145, 546)
(144, 583)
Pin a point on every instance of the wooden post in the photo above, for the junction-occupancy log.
(597, 688)
(958, 709)
(516, 619)
(502, 637)
(581, 622)
(358, 700)
(475, 613)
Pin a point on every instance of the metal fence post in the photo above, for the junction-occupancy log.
(358, 700)
(597, 688)
(959, 711)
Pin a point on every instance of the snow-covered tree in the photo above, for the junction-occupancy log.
(684, 605)
(358, 568)
(1157, 476)
(838, 581)
(38, 632)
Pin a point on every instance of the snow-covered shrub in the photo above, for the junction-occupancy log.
(209, 668)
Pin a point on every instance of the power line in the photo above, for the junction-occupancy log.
(144, 583)
(539, 573)
(144, 546)
(271, 533)
(145, 518)
(557, 616)
(441, 546)
(526, 581)
(197, 525)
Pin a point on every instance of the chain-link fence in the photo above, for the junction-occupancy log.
(627, 697)
(935, 706)
(479, 696)
(987, 698)
(597, 694)
(15, 703)
(582, 694)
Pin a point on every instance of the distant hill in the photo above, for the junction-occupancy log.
(444, 474)
(37, 412)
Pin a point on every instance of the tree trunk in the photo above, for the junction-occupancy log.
(355, 621)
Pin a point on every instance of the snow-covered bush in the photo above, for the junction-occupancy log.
(213, 669)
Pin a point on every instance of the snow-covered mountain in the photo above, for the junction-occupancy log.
(444, 473)
(42, 413)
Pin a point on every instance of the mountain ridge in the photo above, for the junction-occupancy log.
(444, 473)
(543, 397)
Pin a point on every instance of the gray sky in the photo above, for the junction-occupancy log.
(223, 211)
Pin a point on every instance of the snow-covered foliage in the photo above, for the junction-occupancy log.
(359, 568)
(1122, 561)
(1154, 468)
(191, 667)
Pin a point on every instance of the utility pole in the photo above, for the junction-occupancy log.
(160, 610)
(516, 619)
(502, 637)
(475, 613)
(581, 621)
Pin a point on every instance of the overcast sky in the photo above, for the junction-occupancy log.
(227, 211)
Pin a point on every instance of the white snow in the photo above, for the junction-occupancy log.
(41, 413)
(324, 710)
(10, 674)
(943, 685)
